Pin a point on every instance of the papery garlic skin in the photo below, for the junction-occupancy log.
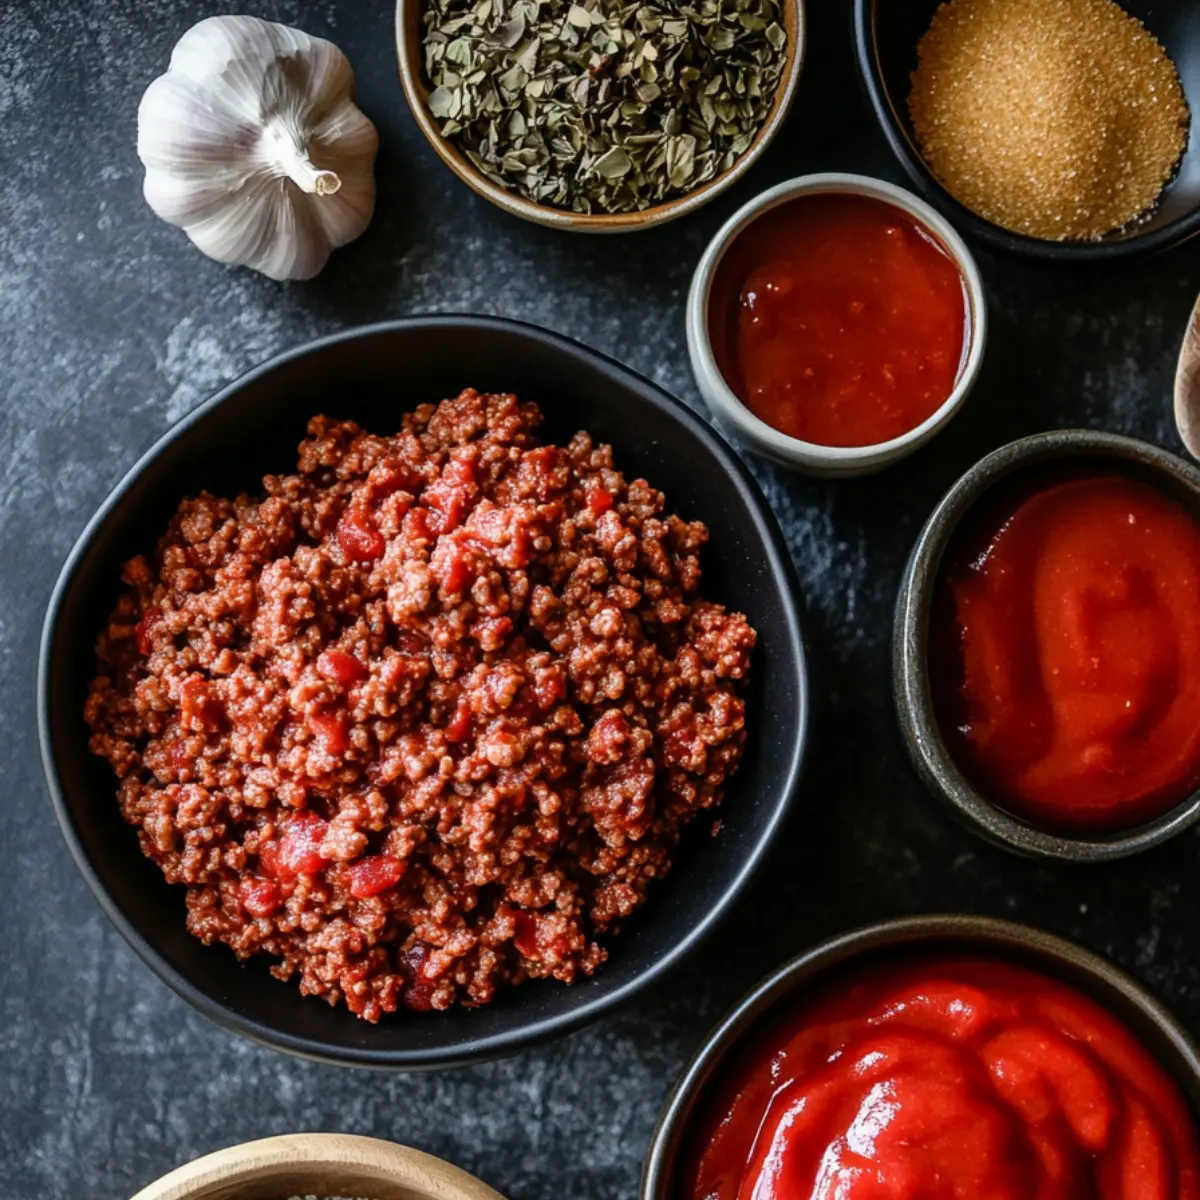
(254, 147)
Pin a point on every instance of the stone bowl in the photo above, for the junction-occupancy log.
(910, 644)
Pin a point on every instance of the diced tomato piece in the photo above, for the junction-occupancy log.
(260, 897)
(459, 471)
(268, 860)
(458, 572)
(358, 537)
(599, 500)
(374, 874)
(199, 709)
(525, 937)
(331, 729)
(445, 506)
(460, 723)
(418, 991)
(300, 846)
(150, 618)
(340, 667)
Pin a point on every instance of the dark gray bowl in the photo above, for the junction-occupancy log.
(910, 644)
(1158, 1029)
(887, 33)
(373, 375)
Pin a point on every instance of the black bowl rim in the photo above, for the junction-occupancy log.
(545, 1029)
(1004, 937)
(1150, 242)
(911, 687)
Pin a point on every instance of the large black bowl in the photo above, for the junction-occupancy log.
(374, 375)
(887, 33)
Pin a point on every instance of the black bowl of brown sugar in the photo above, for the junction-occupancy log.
(1059, 129)
(400, 384)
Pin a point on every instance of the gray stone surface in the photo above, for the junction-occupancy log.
(112, 327)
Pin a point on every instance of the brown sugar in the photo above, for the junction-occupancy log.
(1060, 119)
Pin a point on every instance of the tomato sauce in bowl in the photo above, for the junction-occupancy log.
(1065, 651)
(942, 1075)
(839, 319)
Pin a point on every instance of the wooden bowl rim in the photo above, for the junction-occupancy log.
(256, 1161)
(412, 78)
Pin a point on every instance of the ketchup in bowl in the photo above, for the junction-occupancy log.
(945, 1078)
(839, 319)
(1066, 653)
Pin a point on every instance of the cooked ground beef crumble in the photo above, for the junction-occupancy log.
(429, 717)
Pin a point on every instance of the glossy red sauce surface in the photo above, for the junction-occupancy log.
(945, 1079)
(839, 320)
(1068, 638)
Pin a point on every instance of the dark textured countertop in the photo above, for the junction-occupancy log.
(112, 326)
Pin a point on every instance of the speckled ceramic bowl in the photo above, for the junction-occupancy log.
(733, 414)
(1157, 1028)
(910, 647)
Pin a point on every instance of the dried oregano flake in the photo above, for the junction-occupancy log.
(597, 107)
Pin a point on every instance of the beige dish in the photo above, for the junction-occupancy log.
(318, 1164)
(412, 76)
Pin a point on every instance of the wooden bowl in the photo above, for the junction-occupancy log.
(318, 1164)
(409, 48)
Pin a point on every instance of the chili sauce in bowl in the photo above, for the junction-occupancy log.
(945, 1075)
(945, 1055)
(1066, 640)
(1046, 652)
(835, 324)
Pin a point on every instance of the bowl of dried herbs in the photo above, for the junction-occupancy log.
(598, 115)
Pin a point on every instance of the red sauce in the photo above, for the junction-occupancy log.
(839, 320)
(1068, 634)
(946, 1079)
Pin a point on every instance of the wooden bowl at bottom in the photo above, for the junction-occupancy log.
(318, 1164)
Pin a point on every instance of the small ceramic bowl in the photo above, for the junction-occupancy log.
(910, 646)
(738, 420)
(410, 49)
(887, 33)
(321, 1165)
(1157, 1028)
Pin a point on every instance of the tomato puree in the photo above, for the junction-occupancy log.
(946, 1079)
(839, 320)
(1069, 634)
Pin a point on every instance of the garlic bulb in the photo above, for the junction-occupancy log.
(254, 147)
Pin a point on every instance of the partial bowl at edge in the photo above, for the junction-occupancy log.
(887, 33)
(1123, 996)
(320, 1164)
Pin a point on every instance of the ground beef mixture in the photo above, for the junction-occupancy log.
(428, 717)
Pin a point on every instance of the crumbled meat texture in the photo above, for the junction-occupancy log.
(428, 717)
